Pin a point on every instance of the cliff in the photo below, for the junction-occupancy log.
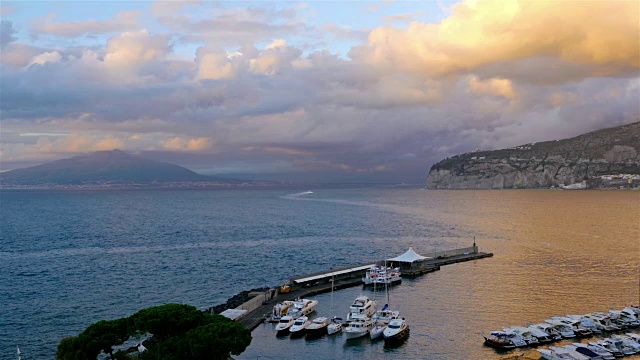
(544, 164)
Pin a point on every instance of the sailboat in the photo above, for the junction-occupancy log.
(336, 323)
(19, 353)
(382, 317)
(395, 329)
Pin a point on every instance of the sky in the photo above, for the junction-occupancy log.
(321, 91)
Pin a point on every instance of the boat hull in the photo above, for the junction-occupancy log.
(316, 332)
(355, 334)
(376, 332)
(282, 332)
(334, 329)
(297, 333)
(398, 337)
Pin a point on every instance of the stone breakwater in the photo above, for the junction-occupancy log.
(235, 301)
(543, 165)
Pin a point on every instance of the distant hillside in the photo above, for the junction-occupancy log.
(103, 166)
(544, 164)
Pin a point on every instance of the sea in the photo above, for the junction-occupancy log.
(71, 258)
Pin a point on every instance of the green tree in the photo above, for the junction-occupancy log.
(168, 320)
(73, 348)
(218, 339)
(104, 335)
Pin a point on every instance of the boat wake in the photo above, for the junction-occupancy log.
(296, 196)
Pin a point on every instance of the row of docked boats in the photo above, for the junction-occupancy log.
(381, 276)
(610, 348)
(362, 320)
(565, 327)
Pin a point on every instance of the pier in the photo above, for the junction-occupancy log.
(258, 309)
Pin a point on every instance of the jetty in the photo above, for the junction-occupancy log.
(259, 307)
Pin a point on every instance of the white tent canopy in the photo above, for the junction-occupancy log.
(408, 257)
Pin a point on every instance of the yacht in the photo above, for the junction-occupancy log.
(317, 328)
(282, 328)
(602, 321)
(558, 353)
(301, 307)
(540, 334)
(547, 328)
(627, 341)
(362, 307)
(280, 310)
(635, 337)
(624, 319)
(609, 347)
(500, 340)
(522, 333)
(620, 345)
(582, 351)
(578, 329)
(586, 323)
(600, 351)
(335, 326)
(358, 327)
(397, 331)
(565, 330)
(629, 313)
(381, 275)
(385, 315)
(299, 326)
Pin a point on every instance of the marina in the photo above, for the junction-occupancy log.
(262, 305)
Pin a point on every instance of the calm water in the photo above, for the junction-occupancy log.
(68, 259)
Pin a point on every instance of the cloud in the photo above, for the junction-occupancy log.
(185, 144)
(495, 86)
(482, 33)
(7, 33)
(123, 21)
(46, 57)
(133, 48)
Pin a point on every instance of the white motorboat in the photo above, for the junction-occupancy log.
(630, 314)
(547, 328)
(558, 353)
(522, 333)
(385, 315)
(619, 344)
(280, 310)
(335, 326)
(624, 319)
(582, 351)
(600, 351)
(358, 327)
(586, 323)
(565, 330)
(302, 307)
(282, 328)
(579, 330)
(317, 328)
(635, 337)
(397, 331)
(602, 321)
(376, 331)
(379, 275)
(609, 347)
(362, 307)
(299, 326)
(627, 341)
(541, 335)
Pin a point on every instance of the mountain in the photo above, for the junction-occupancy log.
(544, 164)
(113, 166)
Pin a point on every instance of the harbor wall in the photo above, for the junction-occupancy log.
(454, 252)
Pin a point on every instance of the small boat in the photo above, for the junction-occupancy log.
(602, 321)
(608, 346)
(335, 326)
(630, 314)
(521, 333)
(540, 334)
(623, 319)
(299, 326)
(575, 325)
(582, 351)
(362, 307)
(397, 331)
(357, 328)
(280, 310)
(586, 323)
(557, 353)
(635, 337)
(626, 341)
(547, 328)
(302, 307)
(376, 331)
(603, 353)
(317, 328)
(499, 340)
(566, 331)
(282, 328)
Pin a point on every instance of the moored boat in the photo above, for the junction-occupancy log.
(280, 310)
(357, 328)
(302, 307)
(397, 331)
(362, 307)
(317, 328)
(379, 276)
(298, 328)
(499, 340)
(282, 328)
(335, 326)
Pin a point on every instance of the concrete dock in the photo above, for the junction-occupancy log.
(317, 283)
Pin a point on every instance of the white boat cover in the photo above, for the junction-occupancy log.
(409, 257)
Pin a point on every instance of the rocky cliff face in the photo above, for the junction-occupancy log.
(543, 165)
